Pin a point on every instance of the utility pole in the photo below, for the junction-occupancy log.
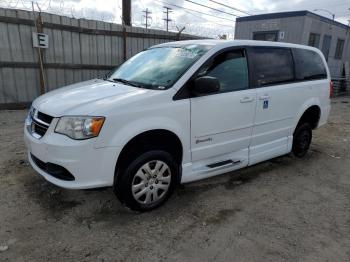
(126, 12)
(167, 20)
(146, 16)
(126, 21)
(38, 22)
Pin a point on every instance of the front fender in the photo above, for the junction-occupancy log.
(119, 137)
(134, 128)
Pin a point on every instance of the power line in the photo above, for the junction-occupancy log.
(217, 10)
(146, 16)
(233, 8)
(189, 9)
(190, 12)
(167, 19)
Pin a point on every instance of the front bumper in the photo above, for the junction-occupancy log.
(91, 167)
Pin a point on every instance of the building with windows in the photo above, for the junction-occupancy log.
(301, 27)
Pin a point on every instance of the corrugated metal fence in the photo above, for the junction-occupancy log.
(341, 86)
(78, 50)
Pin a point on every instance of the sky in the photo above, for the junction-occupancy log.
(196, 19)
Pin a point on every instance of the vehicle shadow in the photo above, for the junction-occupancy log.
(88, 207)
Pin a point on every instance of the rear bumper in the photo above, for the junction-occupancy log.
(90, 167)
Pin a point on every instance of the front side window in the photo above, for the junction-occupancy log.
(272, 65)
(314, 40)
(158, 67)
(230, 68)
(308, 65)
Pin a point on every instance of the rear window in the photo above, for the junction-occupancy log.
(272, 65)
(308, 65)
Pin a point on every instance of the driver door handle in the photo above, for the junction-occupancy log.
(247, 99)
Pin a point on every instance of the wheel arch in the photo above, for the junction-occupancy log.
(146, 140)
(310, 113)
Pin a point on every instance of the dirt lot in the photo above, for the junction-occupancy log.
(286, 209)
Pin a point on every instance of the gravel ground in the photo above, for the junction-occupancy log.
(286, 209)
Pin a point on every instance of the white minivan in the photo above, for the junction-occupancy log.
(179, 112)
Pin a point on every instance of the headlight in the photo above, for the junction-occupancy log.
(79, 127)
(29, 116)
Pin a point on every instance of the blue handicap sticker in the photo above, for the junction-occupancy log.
(266, 104)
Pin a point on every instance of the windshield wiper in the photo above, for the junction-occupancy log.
(124, 81)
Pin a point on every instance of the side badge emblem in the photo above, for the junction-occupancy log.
(209, 139)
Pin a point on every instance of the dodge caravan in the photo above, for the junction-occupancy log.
(179, 112)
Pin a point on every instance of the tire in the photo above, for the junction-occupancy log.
(148, 181)
(302, 139)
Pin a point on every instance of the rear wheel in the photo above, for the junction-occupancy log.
(148, 180)
(302, 139)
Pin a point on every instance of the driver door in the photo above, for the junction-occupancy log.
(221, 123)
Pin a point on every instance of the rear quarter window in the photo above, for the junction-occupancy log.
(308, 65)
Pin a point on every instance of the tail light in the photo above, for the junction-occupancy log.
(331, 89)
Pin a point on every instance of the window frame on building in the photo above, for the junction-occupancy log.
(326, 45)
(339, 49)
(271, 32)
(316, 36)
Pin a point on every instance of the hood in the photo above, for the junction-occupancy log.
(81, 98)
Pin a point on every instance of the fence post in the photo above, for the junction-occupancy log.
(39, 28)
(38, 23)
(124, 43)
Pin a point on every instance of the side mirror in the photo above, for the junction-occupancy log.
(205, 85)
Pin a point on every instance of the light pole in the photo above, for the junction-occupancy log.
(325, 10)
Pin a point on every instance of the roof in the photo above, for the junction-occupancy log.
(229, 43)
(290, 14)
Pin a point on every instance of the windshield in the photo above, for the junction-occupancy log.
(159, 67)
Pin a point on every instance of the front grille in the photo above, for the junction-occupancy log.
(54, 170)
(45, 118)
(39, 123)
(39, 129)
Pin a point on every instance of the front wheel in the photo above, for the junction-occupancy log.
(148, 181)
(302, 139)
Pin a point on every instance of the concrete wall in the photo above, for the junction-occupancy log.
(78, 50)
(292, 27)
(297, 30)
(314, 25)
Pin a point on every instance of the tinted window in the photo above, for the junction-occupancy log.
(230, 68)
(308, 65)
(272, 65)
